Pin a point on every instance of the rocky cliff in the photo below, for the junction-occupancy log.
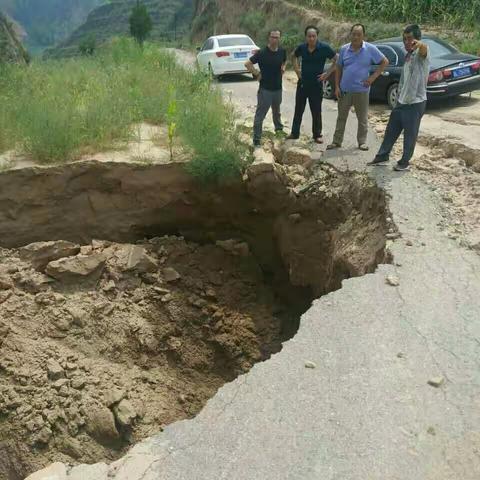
(11, 49)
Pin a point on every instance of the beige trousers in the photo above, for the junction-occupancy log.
(360, 101)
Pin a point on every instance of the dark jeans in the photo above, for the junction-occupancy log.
(404, 118)
(314, 95)
(267, 99)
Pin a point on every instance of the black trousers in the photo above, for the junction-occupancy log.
(314, 95)
(406, 119)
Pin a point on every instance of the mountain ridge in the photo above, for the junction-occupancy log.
(171, 18)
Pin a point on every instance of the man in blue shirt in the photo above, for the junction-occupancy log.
(352, 84)
(313, 55)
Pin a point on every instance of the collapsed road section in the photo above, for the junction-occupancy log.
(129, 293)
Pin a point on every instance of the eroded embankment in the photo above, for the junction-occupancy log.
(104, 343)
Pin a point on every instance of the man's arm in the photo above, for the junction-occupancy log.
(284, 64)
(338, 77)
(251, 68)
(383, 65)
(297, 67)
(422, 48)
(333, 68)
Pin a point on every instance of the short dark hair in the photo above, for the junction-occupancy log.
(311, 27)
(361, 25)
(274, 30)
(415, 30)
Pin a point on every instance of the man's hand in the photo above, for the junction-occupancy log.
(421, 47)
(323, 76)
(338, 92)
(284, 68)
(257, 75)
(415, 44)
(369, 81)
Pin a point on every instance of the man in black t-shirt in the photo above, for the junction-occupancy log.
(272, 61)
(310, 72)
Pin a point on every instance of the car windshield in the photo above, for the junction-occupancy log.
(234, 41)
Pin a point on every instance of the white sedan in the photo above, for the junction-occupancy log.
(226, 54)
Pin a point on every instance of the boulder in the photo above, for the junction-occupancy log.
(101, 425)
(139, 261)
(297, 156)
(33, 282)
(69, 446)
(5, 283)
(76, 269)
(113, 397)
(171, 275)
(54, 370)
(263, 162)
(125, 413)
(40, 254)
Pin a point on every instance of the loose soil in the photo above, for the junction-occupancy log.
(70, 355)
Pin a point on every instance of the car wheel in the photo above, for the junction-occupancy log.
(210, 72)
(392, 95)
(328, 90)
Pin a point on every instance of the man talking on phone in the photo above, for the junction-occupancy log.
(411, 101)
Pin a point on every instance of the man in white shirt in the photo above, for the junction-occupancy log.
(411, 101)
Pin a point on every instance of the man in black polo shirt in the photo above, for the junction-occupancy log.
(313, 55)
(271, 60)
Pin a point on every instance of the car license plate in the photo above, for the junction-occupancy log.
(240, 55)
(461, 72)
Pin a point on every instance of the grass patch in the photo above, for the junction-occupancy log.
(55, 110)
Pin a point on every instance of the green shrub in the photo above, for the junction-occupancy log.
(140, 23)
(88, 45)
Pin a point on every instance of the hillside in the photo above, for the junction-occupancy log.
(171, 19)
(256, 17)
(11, 49)
(48, 22)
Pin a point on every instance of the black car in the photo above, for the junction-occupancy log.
(451, 72)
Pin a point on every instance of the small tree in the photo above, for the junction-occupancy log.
(140, 23)
(88, 45)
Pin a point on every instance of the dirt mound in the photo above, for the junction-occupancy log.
(127, 339)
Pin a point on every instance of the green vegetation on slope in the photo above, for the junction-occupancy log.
(464, 13)
(170, 19)
(258, 22)
(11, 49)
(55, 110)
(48, 21)
(449, 15)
